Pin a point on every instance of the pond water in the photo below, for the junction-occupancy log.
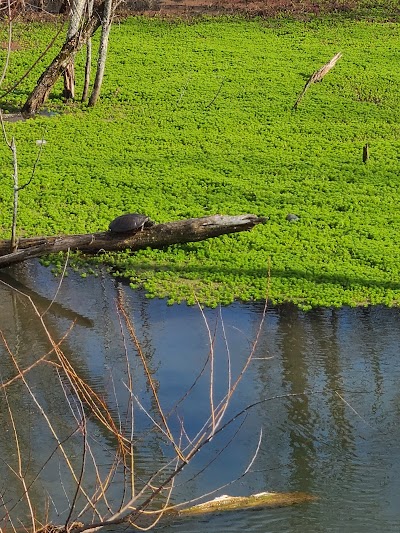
(324, 384)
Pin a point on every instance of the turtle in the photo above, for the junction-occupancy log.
(291, 217)
(130, 223)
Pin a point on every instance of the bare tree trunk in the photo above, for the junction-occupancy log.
(49, 77)
(64, 7)
(88, 64)
(101, 63)
(13, 245)
(69, 81)
(76, 18)
(157, 236)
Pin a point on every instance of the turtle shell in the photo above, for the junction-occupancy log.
(130, 222)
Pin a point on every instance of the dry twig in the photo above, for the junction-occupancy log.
(318, 76)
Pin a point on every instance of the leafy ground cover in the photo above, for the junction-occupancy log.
(196, 118)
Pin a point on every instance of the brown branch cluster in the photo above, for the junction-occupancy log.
(137, 504)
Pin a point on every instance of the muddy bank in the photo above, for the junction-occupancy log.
(191, 8)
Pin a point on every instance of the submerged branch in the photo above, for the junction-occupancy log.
(218, 505)
(262, 499)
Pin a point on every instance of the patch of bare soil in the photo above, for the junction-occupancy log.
(14, 45)
(192, 8)
(265, 8)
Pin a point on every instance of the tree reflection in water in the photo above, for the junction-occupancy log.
(331, 431)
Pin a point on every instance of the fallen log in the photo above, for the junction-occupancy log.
(157, 236)
(144, 519)
(235, 503)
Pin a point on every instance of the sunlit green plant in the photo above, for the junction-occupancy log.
(197, 119)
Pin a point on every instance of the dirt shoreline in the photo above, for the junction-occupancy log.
(303, 9)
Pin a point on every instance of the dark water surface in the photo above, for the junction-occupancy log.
(327, 383)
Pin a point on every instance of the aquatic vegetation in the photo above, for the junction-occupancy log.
(196, 118)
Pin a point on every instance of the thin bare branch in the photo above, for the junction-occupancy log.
(81, 473)
(131, 406)
(211, 339)
(219, 453)
(352, 408)
(6, 63)
(59, 285)
(38, 361)
(37, 403)
(150, 380)
(26, 74)
(317, 76)
(216, 94)
(255, 454)
(20, 473)
(13, 149)
(41, 144)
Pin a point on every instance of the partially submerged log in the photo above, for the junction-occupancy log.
(144, 519)
(262, 499)
(157, 236)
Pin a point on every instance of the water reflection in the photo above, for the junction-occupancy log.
(325, 386)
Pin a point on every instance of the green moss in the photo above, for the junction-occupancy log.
(197, 119)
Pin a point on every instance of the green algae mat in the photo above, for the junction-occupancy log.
(197, 118)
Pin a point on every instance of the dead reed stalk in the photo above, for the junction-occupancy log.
(318, 76)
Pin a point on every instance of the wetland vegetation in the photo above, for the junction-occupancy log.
(197, 118)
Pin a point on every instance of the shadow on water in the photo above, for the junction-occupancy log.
(324, 385)
(44, 304)
(13, 114)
